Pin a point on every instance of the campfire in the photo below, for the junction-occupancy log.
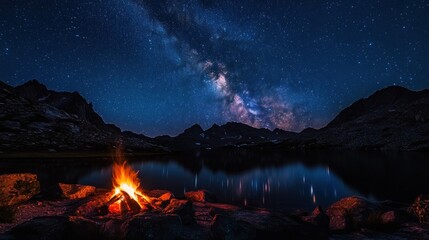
(126, 195)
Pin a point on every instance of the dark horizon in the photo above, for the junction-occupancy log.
(158, 67)
(210, 126)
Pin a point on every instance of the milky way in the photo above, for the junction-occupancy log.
(157, 67)
(203, 37)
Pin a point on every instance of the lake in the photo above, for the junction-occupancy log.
(276, 180)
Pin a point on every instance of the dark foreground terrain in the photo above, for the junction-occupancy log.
(80, 213)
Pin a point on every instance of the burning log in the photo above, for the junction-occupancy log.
(131, 203)
(127, 196)
(113, 199)
(124, 207)
(127, 203)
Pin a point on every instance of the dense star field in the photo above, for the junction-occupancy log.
(159, 66)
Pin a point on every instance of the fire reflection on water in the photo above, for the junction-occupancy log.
(291, 186)
(256, 188)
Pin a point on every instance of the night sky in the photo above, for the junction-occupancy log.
(159, 66)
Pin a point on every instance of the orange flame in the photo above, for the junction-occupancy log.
(124, 178)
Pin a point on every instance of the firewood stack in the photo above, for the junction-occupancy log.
(128, 204)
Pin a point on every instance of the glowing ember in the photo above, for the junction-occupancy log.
(126, 195)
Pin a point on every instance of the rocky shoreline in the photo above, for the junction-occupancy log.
(77, 214)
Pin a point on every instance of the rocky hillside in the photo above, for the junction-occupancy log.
(72, 103)
(393, 118)
(231, 134)
(34, 118)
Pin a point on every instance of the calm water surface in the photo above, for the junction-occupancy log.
(282, 180)
(276, 180)
(293, 185)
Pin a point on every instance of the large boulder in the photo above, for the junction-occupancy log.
(160, 198)
(349, 213)
(200, 196)
(183, 208)
(153, 226)
(166, 197)
(157, 193)
(75, 191)
(17, 188)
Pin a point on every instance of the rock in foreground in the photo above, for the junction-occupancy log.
(179, 219)
(183, 219)
(181, 207)
(75, 191)
(349, 213)
(17, 188)
(200, 196)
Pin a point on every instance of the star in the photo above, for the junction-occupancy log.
(160, 66)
